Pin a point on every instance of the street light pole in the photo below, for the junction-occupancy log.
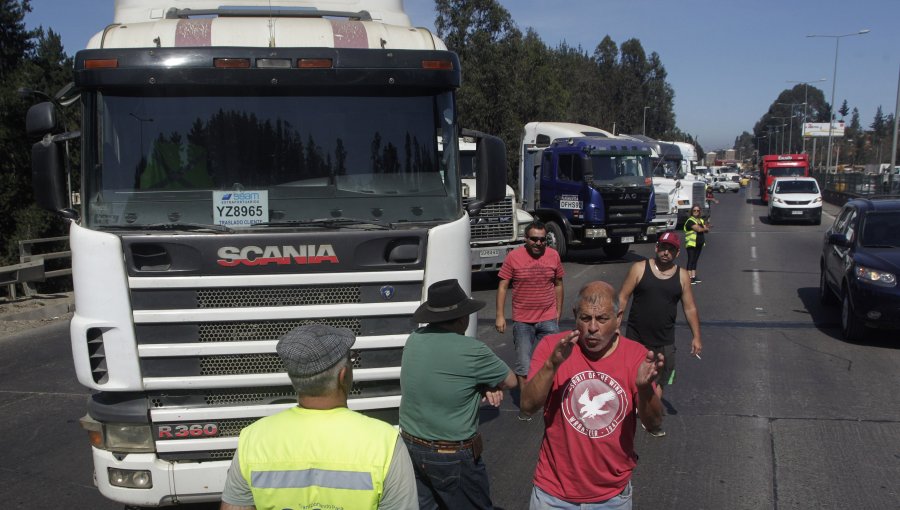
(806, 103)
(644, 128)
(791, 128)
(837, 41)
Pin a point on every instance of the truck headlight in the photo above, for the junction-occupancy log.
(130, 478)
(777, 200)
(520, 231)
(119, 437)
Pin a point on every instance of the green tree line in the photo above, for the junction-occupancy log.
(29, 59)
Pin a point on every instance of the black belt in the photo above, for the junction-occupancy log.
(443, 446)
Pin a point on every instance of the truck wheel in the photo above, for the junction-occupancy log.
(851, 326)
(615, 251)
(556, 239)
(721, 189)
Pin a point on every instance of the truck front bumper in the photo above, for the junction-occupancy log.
(172, 482)
(665, 222)
(490, 258)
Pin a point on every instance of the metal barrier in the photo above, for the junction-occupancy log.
(32, 266)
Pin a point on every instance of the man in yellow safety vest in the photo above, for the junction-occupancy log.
(319, 454)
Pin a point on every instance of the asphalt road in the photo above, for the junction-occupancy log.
(780, 413)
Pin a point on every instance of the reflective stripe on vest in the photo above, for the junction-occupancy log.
(308, 477)
(335, 458)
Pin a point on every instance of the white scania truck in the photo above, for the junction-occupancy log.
(247, 167)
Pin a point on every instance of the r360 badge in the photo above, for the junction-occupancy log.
(187, 431)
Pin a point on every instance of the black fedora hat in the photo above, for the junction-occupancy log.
(446, 301)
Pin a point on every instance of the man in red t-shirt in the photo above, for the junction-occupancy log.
(535, 273)
(590, 382)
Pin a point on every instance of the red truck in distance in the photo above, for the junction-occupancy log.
(780, 165)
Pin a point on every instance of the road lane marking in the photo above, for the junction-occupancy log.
(753, 234)
(757, 288)
(753, 252)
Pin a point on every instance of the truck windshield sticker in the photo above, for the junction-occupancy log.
(569, 202)
(238, 208)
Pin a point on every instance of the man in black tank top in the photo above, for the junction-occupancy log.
(657, 286)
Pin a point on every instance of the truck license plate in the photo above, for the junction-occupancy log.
(629, 239)
(796, 212)
(490, 253)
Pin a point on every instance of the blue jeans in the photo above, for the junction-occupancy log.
(540, 500)
(449, 480)
(526, 337)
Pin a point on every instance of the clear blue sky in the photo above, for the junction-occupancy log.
(727, 60)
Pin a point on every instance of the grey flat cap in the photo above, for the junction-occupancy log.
(313, 348)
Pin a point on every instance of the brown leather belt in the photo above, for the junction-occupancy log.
(444, 446)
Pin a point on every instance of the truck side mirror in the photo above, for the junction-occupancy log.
(48, 178)
(490, 175)
(41, 119)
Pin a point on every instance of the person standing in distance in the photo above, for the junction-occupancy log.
(590, 382)
(535, 273)
(319, 453)
(657, 286)
(443, 377)
(695, 229)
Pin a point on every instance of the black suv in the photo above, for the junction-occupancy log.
(860, 265)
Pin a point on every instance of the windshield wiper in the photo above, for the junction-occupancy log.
(329, 223)
(193, 227)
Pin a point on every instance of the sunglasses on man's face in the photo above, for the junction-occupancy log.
(535, 239)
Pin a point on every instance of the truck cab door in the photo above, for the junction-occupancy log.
(561, 186)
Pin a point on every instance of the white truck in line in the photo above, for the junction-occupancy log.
(249, 166)
(498, 228)
(671, 177)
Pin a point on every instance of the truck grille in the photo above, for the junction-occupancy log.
(698, 194)
(662, 203)
(624, 206)
(264, 330)
(494, 222)
(214, 348)
(276, 296)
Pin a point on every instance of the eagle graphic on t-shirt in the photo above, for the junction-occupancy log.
(593, 407)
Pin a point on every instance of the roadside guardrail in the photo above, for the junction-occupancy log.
(32, 266)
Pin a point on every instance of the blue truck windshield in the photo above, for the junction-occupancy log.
(240, 161)
(620, 170)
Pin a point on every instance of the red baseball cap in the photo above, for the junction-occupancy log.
(670, 238)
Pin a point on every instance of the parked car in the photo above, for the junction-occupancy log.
(795, 198)
(860, 263)
(724, 183)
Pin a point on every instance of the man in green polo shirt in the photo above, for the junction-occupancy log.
(443, 377)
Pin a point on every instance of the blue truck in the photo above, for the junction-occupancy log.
(590, 187)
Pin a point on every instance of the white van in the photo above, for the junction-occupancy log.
(795, 198)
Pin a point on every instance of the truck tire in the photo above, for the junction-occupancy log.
(556, 239)
(615, 251)
(721, 189)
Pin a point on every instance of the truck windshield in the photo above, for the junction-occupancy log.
(241, 161)
(787, 171)
(620, 170)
